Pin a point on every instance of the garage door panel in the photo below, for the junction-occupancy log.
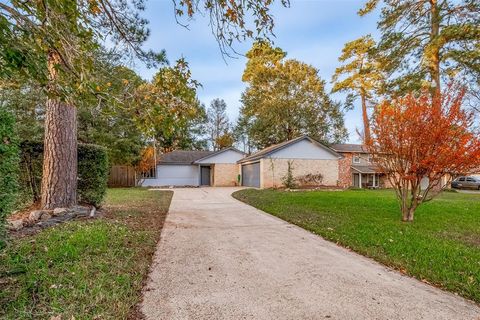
(174, 175)
(251, 175)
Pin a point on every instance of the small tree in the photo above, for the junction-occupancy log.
(288, 180)
(422, 137)
(218, 125)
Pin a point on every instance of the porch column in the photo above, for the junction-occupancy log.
(360, 180)
(374, 180)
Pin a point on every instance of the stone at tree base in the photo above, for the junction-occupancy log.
(35, 215)
(45, 216)
(59, 211)
(92, 212)
(81, 210)
(15, 225)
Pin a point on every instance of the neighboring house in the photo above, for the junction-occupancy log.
(196, 168)
(312, 164)
(356, 168)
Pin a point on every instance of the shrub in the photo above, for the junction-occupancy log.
(311, 179)
(31, 155)
(8, 169)
(92, 172)
(288, 180)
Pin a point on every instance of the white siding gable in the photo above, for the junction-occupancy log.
(227, 156)
(303, 149)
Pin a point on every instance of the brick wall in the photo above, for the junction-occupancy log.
(345, 178)
(273, 170)
(225, 174)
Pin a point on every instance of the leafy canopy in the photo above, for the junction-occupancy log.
(167, 108)
(428, 42)
(70, 31)
(286, 98)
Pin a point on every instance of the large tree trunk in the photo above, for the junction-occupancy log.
(59, 180)
(366, 122)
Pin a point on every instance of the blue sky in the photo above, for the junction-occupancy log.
(313, 31)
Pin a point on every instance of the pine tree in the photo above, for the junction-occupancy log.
(360, 75)
(428, 42)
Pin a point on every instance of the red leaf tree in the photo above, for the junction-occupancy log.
(423, 137)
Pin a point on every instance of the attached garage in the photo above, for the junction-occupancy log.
(251, 175)
(311, 164)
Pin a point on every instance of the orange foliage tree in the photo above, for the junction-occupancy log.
(423, 137)
(147, 162)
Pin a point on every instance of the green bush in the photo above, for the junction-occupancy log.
(288, 180)
(8, 169)
(31, 155)
(92, 172)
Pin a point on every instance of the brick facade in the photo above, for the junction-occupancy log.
(272, 171)
(225, 174)
(345, 175)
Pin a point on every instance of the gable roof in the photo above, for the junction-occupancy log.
(346, 147)
(276, 147)
(214, 153)
(190, 156)
(183, 156)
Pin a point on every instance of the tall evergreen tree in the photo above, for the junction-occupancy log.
(428, 42)
(360, 75)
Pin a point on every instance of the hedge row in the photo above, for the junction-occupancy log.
(8, 168)
(93, 172)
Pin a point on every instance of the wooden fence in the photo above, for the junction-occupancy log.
(122, 176)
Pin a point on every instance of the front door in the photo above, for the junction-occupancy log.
(356, 180)
(205, 176)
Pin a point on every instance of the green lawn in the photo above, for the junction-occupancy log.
(442, 245)
(91, 269)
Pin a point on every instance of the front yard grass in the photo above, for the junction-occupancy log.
(441, 247)
(90, 269)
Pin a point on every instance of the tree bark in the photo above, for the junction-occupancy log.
(59, 179)
(435, 47)
(366, 122)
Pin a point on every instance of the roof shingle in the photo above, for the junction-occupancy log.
(183, 156)
(346, 147)
(268, 150)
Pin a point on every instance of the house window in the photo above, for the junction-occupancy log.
(356, 159)
(370, 158)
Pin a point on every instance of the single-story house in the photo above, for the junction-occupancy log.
(196, 168)
(312, 163)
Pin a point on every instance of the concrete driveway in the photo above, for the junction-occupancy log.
(221, 259)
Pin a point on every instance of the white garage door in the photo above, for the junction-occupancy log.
(251, 175)
(174, 175)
